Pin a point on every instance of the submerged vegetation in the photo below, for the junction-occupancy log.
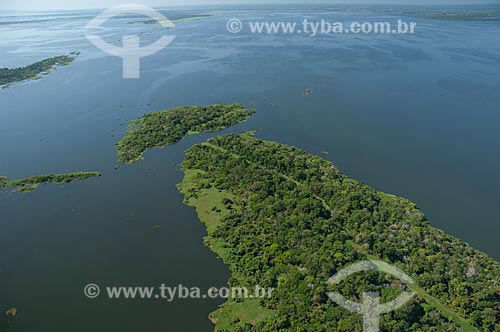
(33, 71)
(159, 129)
(33, 182)
(283, 218)
(306, 92)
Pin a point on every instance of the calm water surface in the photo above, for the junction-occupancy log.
(414, 115)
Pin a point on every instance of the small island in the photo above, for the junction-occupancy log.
(33, 71)
(11, 312)
(306, 92)
(286, 219)
(175, 19)
(33, 182)
(160, 129)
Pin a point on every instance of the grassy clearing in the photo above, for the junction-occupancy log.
(231, 315)
(209, 205)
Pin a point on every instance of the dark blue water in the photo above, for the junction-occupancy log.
(414, 115)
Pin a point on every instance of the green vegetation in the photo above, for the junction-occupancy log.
(33, 182)
(306, 92)
(190, 19)
(160, 129)
(280, 217)
(33, 71)
(212, 205)
(235, 316)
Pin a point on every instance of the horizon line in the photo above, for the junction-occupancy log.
(341, 2)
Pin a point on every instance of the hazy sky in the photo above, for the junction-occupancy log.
(84, 4)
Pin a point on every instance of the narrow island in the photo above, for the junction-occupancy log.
(463, 15)
(283, 218)
(33, 182)
(175, 19)
(35, 70)
(444, 14)
(160, 129)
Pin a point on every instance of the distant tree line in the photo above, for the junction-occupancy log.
(8, 76)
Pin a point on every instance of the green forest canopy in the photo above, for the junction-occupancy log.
(8, 76)
(283, 218)
(160, 129)
(33, 182)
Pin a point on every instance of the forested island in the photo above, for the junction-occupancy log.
(33, 182)
(33, 71)
(160, 129)
(283, 218)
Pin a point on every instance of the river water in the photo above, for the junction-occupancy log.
(413, 115)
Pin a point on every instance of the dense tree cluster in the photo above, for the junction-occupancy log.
(11, 75)
(32, 182)
(294, 220)
(159, 129)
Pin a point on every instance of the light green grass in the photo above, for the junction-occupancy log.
(209, 207)
(211, 210)
(233, 314)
